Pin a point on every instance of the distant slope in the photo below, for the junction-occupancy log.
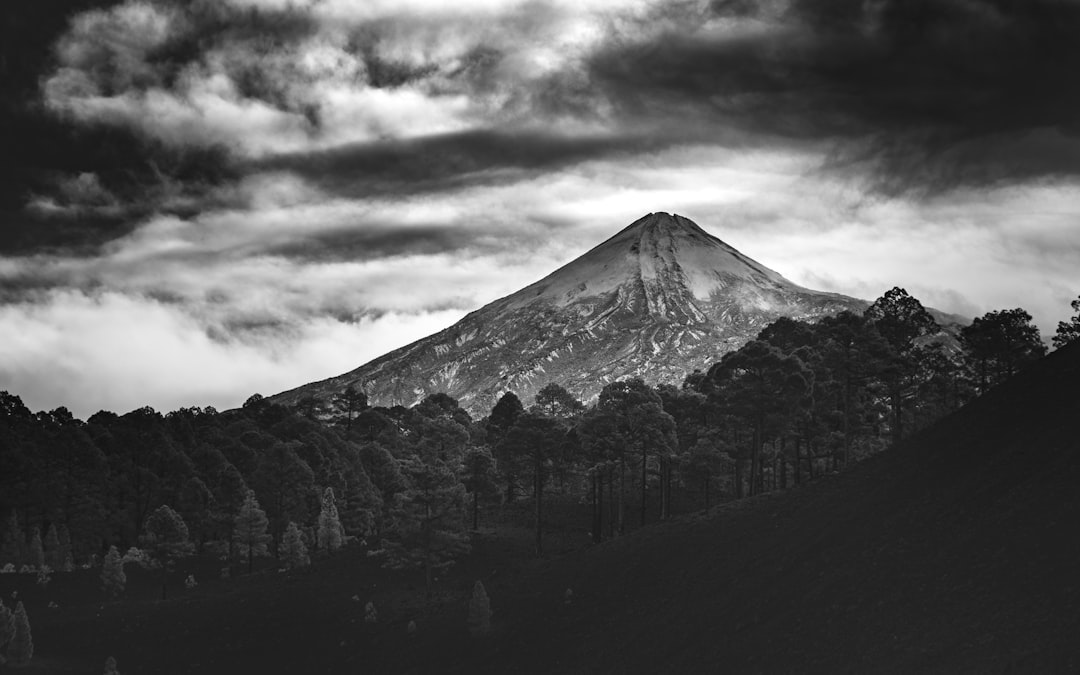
(955, 553)
(657, 300)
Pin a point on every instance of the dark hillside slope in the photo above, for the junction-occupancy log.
(957, 552)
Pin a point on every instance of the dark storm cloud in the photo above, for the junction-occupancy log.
(932, 94)
(450, 161)
(45, 154)
(372, 241)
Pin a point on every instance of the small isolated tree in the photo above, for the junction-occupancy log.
(165, 537)
(479, 611)
(21, 648)
(330, 535)
(110, 667)
(249, 529)
(370, 615)
(113, 578)
(293, 552)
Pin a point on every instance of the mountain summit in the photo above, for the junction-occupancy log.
(657, 300)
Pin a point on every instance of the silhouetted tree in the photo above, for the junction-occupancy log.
(503, 415)
(764, 387)
(349, 403)
(900, 319)
(478, 476)
(999, 343)
(1068, 331)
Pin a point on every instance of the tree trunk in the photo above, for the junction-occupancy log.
(644, 482)
(738, 478)
(705, 481)
(164, 577)
(538, 489)
(622, 497)
(597, 485)
(798, 460)
(475, 510)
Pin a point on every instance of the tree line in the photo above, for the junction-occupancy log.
(410, 482)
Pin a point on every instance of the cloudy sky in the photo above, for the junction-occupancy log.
(204, 199)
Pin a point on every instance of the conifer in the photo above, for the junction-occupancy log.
(7, 628)
(110, 667)
(12, 542)
(67, 560)
(250, 529)
(37, 550)
(113, 578)
(293, 552)
(53, 556)
(330, 535)
(21, 648)
(370, 615)
(479, 611)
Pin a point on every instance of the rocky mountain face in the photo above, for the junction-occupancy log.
(657, 300)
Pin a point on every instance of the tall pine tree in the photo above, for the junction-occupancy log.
(249, 529)
(330, 536)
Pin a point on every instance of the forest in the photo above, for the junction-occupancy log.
(409, 484)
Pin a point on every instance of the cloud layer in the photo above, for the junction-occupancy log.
(275, 191)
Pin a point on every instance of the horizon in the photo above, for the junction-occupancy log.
(193, 217)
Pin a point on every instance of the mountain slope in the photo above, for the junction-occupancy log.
(657, 300)
(955, 552)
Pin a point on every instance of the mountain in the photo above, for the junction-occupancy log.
(657, 300)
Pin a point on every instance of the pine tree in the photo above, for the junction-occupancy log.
(370, 615)
(1068, 331)
(293, 552)
(110, 667)
(250, 529)
(67, 560)
(21, 648)
(479, 611)
(53, 555)
(12, 543)
(428, 521)
(330, 536)
(113, 579)
(7, 629)
(165, 536)
(37, 550)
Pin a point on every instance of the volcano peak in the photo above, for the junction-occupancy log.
(656, 300)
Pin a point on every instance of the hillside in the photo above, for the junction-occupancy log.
(954, 553)
(657, 300)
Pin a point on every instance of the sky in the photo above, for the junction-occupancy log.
(206, 199)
